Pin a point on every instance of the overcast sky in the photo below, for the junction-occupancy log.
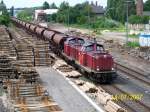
(33, 3)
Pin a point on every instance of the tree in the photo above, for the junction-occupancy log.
(64, 5)
(147, 5)
(12, 11)
(135, 19)
(62, 15)
(4, 17)
(117, 9)
(25, 15)
(4, 20)
(77, 14)
(46, 5)
(53, 6)
(3, 8)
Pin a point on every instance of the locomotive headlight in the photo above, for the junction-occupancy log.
(97, 68)
(112, 68)
(105, 56)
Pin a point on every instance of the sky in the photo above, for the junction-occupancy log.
(33, 3)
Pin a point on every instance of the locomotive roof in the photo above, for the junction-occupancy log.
(70, 38)
(88, 43)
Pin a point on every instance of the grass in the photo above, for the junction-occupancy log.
(134, 36)
(97, 30)
(85, 26)
(133, 44)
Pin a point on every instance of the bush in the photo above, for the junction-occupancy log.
(4, 20)
(105, 23)
(82, 19)
(133, 44)
(25, 15)
(134, 19)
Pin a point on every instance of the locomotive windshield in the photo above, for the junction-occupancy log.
(76, 41)
(91, 48)
(100, 48)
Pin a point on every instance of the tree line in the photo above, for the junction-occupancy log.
(118, 9)
(4, 15)
(81, 14)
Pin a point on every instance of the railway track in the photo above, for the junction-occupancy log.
(136, 74)
(131, 104)
(133, 73)
(24, 90)
(39, 49)
(117, 90)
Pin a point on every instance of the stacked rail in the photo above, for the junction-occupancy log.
(41, 51)
(31, 49)
(19, 77)
(6, 68)
(27, 97)
(6, 45)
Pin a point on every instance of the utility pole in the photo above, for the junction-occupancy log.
(68, 17)
(127, 19)
(89, 17)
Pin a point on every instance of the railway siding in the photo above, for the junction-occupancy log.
(100, 94)
(19, 78)
(65, 70)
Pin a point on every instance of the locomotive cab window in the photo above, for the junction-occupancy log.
(81, 41)
(78, 41)
(100, 48)
(89, 48)
(72, 41)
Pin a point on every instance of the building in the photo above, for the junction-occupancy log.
(146, 13)
(97, 9)
(40, 15)
(139, 7)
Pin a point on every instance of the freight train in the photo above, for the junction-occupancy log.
(85, 55)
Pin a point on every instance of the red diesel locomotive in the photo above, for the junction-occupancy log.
(86, 55)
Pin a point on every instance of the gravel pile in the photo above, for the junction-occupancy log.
(143, 53)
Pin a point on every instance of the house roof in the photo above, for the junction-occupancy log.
(97, 9)
(146, 13)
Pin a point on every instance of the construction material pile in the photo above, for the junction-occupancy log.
(28, 97)
(41, 51)
(97, 93)
(31, 49)
(6, 69)
(19, 77)
(6, 45)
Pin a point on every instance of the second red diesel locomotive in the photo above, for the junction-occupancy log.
(86, 55)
